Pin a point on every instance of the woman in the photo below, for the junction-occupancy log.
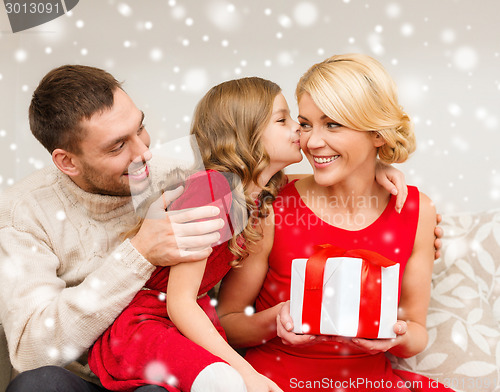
(349, 116)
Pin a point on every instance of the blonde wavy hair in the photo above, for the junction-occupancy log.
(228, 124)
(356, 91)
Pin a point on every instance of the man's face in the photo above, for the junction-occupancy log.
(115, 150)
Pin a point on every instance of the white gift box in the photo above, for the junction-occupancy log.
(340, 304)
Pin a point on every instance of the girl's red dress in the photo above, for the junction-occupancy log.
(143, 346)
(332, 366)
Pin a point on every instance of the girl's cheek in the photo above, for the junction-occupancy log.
(303, 141)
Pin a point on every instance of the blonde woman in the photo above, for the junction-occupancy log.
(350, 116)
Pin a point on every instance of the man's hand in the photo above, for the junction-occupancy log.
(438, 233)
(169, 238)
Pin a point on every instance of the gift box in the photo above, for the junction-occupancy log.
(347, 293)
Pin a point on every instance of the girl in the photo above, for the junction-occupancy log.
(349, 115)
(174, 339)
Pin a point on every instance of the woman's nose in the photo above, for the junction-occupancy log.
(315, 140)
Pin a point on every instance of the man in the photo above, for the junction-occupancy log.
(66, 271)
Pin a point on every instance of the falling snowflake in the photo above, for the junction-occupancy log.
(196, 80)
(156, 54)
(407, 30)
(305, 14)
(465, 58)
(21, 55)
(249, 310)
(285, 21)
(224, 15)
(393, 10)
(124, 9)
(448, 36)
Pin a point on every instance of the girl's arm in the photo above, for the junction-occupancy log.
(182, 290)
(392, 179)
(238, 292)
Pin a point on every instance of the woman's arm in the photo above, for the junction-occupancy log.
(182, 290)
(416, 285)
(415, 293)
(240, 288)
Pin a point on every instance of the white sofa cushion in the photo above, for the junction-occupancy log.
(464, 313)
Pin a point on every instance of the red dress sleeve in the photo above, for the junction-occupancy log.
(207, 188)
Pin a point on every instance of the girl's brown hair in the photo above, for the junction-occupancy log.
(228, 124)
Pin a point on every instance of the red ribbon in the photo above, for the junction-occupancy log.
(370, 293)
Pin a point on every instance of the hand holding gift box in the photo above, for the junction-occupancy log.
(350, 293)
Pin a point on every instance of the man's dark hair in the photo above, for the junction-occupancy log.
(66, 96)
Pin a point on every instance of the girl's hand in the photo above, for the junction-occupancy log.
(375, 346)
(256, 382)
(284, 327)
(393, 181)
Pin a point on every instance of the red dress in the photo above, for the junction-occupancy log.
(332, 366)
(143, 346)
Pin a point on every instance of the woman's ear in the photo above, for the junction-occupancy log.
(65, 162)
(377, 138)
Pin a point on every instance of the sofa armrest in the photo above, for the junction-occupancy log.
(5, 366)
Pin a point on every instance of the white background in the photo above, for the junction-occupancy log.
(443, 54)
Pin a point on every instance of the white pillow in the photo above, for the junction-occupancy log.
(464, 313)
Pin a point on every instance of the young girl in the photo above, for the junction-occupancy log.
(349, 115)
(174, 339)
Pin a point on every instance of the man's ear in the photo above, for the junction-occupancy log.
(378, 139)
(66, 162)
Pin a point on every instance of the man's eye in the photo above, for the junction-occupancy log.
(118, 148)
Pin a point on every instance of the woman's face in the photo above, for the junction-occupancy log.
(280, 138)
(335, 152)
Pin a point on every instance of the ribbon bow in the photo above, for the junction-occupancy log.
(370, 295)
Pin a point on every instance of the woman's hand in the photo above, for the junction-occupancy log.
(375, 346)
(256, 382)
(284, 327)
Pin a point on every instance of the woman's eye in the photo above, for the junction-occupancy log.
(305, 127)
(332, 125)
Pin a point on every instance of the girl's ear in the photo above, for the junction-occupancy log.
(378, 140)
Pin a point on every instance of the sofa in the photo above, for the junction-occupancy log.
(464, 313)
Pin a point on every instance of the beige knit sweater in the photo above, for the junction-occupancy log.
(65, 273)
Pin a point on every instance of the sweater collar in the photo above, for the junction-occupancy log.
(101, 207)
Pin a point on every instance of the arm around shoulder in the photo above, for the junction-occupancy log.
(416, 284)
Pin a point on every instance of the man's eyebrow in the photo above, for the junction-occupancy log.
(122, 138)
